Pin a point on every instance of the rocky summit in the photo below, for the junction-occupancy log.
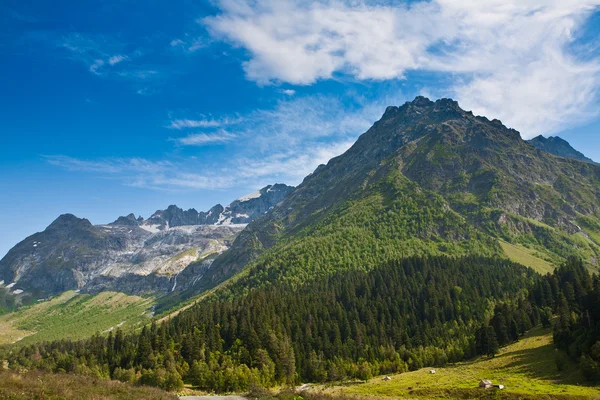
(427, 178)
(131, 254)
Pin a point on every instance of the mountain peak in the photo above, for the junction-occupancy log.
(443, 103)
(129, 220)
(69, 220)
(559, 147)
(422, 101)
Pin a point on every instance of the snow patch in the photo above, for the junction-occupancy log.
(150, 228)
(10, 285)
(250, 196)
(221, 219)
(18, 291)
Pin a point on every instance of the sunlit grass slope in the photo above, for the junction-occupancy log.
(522, 255)
(73, 315)
(527, 369)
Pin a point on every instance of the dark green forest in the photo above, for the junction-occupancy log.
(400, 316)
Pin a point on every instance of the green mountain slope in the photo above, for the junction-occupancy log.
(428, 178)
(74, 316)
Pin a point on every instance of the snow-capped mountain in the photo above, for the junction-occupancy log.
(130, 254)
(241, 211)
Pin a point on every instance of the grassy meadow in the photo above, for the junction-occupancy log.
(527, 369)
(527, 257)
(73, 315)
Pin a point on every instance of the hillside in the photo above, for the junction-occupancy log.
(74, 316)
(527, 369)
(427, 178)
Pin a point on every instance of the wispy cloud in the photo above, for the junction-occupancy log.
(203, 139)
(143, 173)
(108, 57)
(281, 144)
(509, 59)
(99, 53)
(189, 44)
(108, 166)
(116, 59)
(201, 123)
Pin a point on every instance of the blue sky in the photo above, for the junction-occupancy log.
(111, 107)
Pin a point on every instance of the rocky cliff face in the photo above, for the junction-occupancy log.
(558, 147)
(130, 254)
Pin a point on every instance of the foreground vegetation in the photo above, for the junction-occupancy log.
(38, 385)
(73, 316)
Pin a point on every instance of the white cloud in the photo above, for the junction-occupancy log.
(291, 166)
(509, 59)
(116, 59)
(202, 139)
(201, 123)
(289, 92)
(96, 65)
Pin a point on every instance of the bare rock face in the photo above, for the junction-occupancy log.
(130, 254)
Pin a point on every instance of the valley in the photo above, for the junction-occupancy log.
(439, 239)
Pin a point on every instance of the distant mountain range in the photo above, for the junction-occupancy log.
(130, 254)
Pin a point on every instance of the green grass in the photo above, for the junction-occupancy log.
(527, 369)
(37, 385)
(72, 315)
(522, 255)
